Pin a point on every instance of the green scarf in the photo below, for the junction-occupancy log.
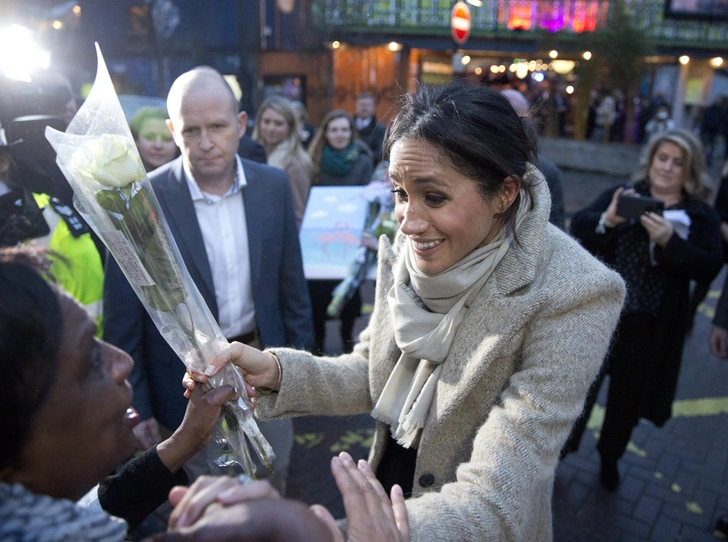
(339, 163)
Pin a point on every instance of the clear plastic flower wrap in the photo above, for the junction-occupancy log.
(98, 156)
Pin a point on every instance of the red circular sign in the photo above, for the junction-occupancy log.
(460, 22)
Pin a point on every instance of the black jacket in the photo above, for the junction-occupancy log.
(252, 150)
(360, 174)
(698, 258)
(140, 487)
(373, 136)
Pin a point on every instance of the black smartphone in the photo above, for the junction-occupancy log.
(634, 206)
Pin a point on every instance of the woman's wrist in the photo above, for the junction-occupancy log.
(604, 223)
(607, 222)
(178, 449)
(274, 373)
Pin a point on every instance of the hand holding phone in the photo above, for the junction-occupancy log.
(634, 205)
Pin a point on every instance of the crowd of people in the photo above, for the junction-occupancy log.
(491, 332)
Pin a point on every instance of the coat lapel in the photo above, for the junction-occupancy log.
(253, 201)
(174, 197)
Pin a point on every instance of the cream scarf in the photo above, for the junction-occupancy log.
(281, 155)
(426, 311)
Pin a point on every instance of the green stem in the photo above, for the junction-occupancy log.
(227, 411)
(189, 332)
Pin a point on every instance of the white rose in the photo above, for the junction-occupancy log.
(110, 160)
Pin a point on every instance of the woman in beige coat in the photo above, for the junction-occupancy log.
(276, 129)
(489, 324)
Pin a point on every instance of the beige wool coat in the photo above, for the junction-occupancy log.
(300, 175)
(510, 389)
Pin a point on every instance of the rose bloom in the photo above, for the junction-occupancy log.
(110, 160)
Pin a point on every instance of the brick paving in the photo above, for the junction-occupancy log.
(674, 478)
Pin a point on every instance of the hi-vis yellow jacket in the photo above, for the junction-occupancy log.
(83, 274)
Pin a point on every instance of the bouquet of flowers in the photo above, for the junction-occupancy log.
(379, 221)
(98, 156)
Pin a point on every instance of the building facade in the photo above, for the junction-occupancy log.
(324, 52)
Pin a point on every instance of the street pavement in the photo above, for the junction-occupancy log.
(674, 478)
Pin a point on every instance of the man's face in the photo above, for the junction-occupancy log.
(364, 108)
(207, 130)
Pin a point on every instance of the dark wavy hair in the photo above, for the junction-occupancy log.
(476, 129)
(30, 335)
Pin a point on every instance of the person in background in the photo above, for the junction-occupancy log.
(152, 137)
(714, 117)
(700, 291)
(46, 221)
(235, 227)
(550, 171)
(488, 326)
(724, 128)
(606, 113)
(370, 130)
(718, 342)
(67, 419)
(659, 123)
(721, 206)
(25, 111)
(657, 255)
(591, 117)
(339, 159)
(57, 80)
(616, 132)
(276, 129)
(250, 149)
(306, 130)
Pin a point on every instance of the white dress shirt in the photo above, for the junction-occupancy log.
(225, 234)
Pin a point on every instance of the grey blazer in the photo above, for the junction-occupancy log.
(511, 387)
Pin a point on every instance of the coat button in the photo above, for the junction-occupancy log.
(426, 480)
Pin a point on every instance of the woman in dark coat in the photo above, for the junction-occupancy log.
(657, 257)
(339, 159)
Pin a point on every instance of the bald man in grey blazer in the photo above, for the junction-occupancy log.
(235, 227)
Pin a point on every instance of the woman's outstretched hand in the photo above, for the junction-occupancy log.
(260, 369)
(195, 431)
(370, 514)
